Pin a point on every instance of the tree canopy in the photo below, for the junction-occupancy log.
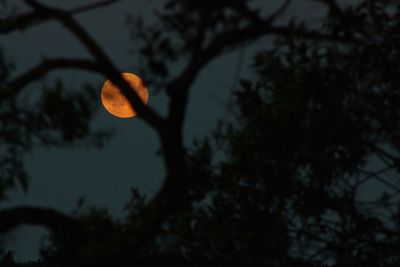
(293, 159)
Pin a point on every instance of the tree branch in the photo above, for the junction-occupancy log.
(92, 6)
(376, 176)
(178, 88)
(380, 152)
(40, 70)
(21, 22)
(105, 64)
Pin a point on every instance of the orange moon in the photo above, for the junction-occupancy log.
(116, 103)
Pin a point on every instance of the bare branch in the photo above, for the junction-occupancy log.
(178, 88)
(370, 174)
(385, 156)
(21, 22)
(271, 18)
(89, 7)
(388, 184)
(41, 70)
(106, 65)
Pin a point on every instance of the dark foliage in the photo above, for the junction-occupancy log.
(57, 118)
(295, 157)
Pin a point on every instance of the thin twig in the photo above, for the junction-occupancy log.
(90, 7)
(376, 175)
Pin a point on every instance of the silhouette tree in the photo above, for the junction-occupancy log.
(298, 153)
(295, 157)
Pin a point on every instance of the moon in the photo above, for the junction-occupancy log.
(116, 103)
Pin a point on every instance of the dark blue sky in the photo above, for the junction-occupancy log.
(59, 177)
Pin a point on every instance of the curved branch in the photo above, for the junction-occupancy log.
(92, 6)
(105, 64)
(178, 89)
(259, 27)
(21, 22)
(41, 70)
(59, 223)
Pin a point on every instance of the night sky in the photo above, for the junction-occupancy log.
(59, 177)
